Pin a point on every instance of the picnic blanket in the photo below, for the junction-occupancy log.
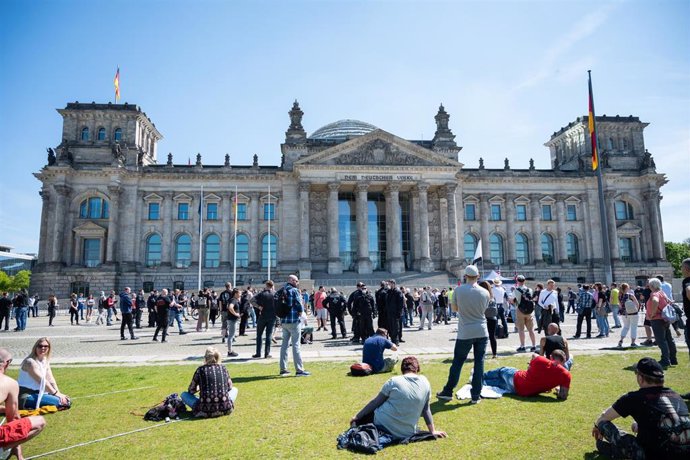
(488, 392)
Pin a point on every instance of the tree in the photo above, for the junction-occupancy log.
(21, 280)
(5, 282)
(675, 253)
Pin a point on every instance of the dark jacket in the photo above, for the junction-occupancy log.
(395, 302)
(335, 303)
(265, 300)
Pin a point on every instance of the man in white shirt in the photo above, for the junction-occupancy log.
(548, 300)
(499, 295)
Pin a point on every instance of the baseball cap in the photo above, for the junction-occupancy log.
(650, 367)
(471, 270)
(520, 278)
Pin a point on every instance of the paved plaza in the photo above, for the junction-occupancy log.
(88, 343)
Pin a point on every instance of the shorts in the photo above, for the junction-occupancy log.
(321, 313)
(524, 320)
(15, 431)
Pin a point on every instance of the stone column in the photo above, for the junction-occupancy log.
(61, 212)
(535, 217)
(43, 235)
(254, 237)
(394, 261)
(484, 225)
(334, 264)
(562, 256)
(304, 263)
(167, 242)
(450, 189)
(613, 230)
(226, 243)
(510, 229)
(423, 264)
(364, 265)
(652, 198)
(114, 192)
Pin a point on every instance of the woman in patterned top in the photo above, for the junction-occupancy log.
(216, 394)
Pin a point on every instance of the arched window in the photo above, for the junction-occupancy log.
(470, 246)
(118, 135)
(496, 249)
(101, 134)
(572, 248)
(547, 248)
(94, 208)
(183, 251)
(242, 250)
(268, 245)
(212, 251)
(521, 249)
(153, 250)
(624, 210)
(85, 133)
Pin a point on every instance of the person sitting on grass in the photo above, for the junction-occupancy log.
(17, 430)
(542, 375)
(661, 419)
(397, 408)
(372, 352)
(555, 341)
(217, 395)
(37, 385)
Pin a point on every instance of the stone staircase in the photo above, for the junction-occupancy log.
(348, 280)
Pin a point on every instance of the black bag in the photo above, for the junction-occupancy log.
(363, 439)
(282, 304)
(172, 407)
(526, 305)
(491, 311)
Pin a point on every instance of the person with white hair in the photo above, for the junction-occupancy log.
(212, 381)
(662, 329)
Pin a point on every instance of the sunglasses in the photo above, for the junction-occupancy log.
(8, 361)
(43, 346)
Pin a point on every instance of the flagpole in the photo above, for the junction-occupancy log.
(269, 233)
(201, 224)
(234, 252)
(608, 269)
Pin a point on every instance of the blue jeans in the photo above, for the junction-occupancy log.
(614, 312)
(22, 315)
(191, 400)
(175, 314)
(664, 339)
(291, 331)
(462, 349)
(501, 378)
(602, 323)
(46, 400)
(231, 327)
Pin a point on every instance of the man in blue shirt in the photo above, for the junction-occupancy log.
(372, 352)
(126, 310)
(292, 326)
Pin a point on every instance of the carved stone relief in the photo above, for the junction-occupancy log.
(378, 152)
(434, 226)
(318, 225)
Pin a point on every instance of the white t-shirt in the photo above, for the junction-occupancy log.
(499, 294)
(547, 298)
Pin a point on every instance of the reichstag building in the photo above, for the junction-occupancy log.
(348, 199)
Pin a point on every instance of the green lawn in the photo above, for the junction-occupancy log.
(301, 417)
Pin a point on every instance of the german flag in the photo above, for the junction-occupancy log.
(116, 82)
(592, 128)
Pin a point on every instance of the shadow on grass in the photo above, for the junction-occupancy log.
(534, 399)
(255, 378)
(594, 455)
(443, 406)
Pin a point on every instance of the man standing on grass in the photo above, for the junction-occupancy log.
(661, 419)
(471, 301)
(292, 329)
(17, 430)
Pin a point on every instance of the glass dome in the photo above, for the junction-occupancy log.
(343, 129)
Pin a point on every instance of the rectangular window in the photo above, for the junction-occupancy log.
(154, 211)
(242, 211)
(178, 285)
(546, 212)
(625, 247)
(182, 211)
(495, 212)
(571, 212)
(269, 211)
(470, 212)
(148, 286)
(212, 211)
(92, 252)
(521, 212)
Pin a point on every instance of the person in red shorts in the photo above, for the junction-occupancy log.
(17, 430)
(541, 376)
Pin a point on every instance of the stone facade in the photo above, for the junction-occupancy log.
(113, 215)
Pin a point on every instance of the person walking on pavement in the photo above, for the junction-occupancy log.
(126, 308)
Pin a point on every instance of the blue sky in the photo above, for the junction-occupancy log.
(219, 77)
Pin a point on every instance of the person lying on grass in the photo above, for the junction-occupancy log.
(37, 385)
(17, 430)
(216, 394)
(541, 376)
(397, 408)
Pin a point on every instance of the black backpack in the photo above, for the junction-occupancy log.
(363, 439)
(526, 305)
(282, 303)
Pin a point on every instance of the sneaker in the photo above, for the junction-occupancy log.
(164, 341)
(444, 396)
(284, 373)
(123, 338)
(256, 356)
(268, 356)
(401, 341)
(232, 354)
(532, 349)
(475, 401)
(620, 344)
(633, 345)
(303, 374)
(135, 338)
(155, 339)
(521, 349)
(183, 332)
(647, 342)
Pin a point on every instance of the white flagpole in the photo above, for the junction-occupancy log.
(201, 224)
(269, 234)
(234, 260)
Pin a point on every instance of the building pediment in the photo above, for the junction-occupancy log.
(628, 229)
(379, 148)
(89, 229)
(182, 197)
